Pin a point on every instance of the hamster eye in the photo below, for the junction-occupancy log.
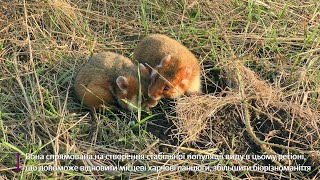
(166, 88)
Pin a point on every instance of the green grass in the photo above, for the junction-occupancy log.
(40, 114)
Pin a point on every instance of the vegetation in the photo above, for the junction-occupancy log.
(261, 84)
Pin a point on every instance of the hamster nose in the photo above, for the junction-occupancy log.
(152, 103)
(152, 97)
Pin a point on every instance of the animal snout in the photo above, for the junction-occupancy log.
(152, 103)
(153, 97)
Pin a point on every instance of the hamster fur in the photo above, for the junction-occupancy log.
(109, 77)
(176, 71)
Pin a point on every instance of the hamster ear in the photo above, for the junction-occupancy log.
(122, 83)
(165, 60)
(143, 69)
(187, 72)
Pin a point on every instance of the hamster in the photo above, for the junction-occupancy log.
(107, 78)
(176, 71)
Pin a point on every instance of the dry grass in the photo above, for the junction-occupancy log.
(194, 113)
(261, 78)
(253, 97)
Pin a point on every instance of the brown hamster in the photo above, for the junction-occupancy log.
(109, 77)
(176, 70)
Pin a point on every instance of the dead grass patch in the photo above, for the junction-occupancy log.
(252, 99)
(265, 100)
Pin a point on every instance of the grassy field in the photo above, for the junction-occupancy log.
(261, 81)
